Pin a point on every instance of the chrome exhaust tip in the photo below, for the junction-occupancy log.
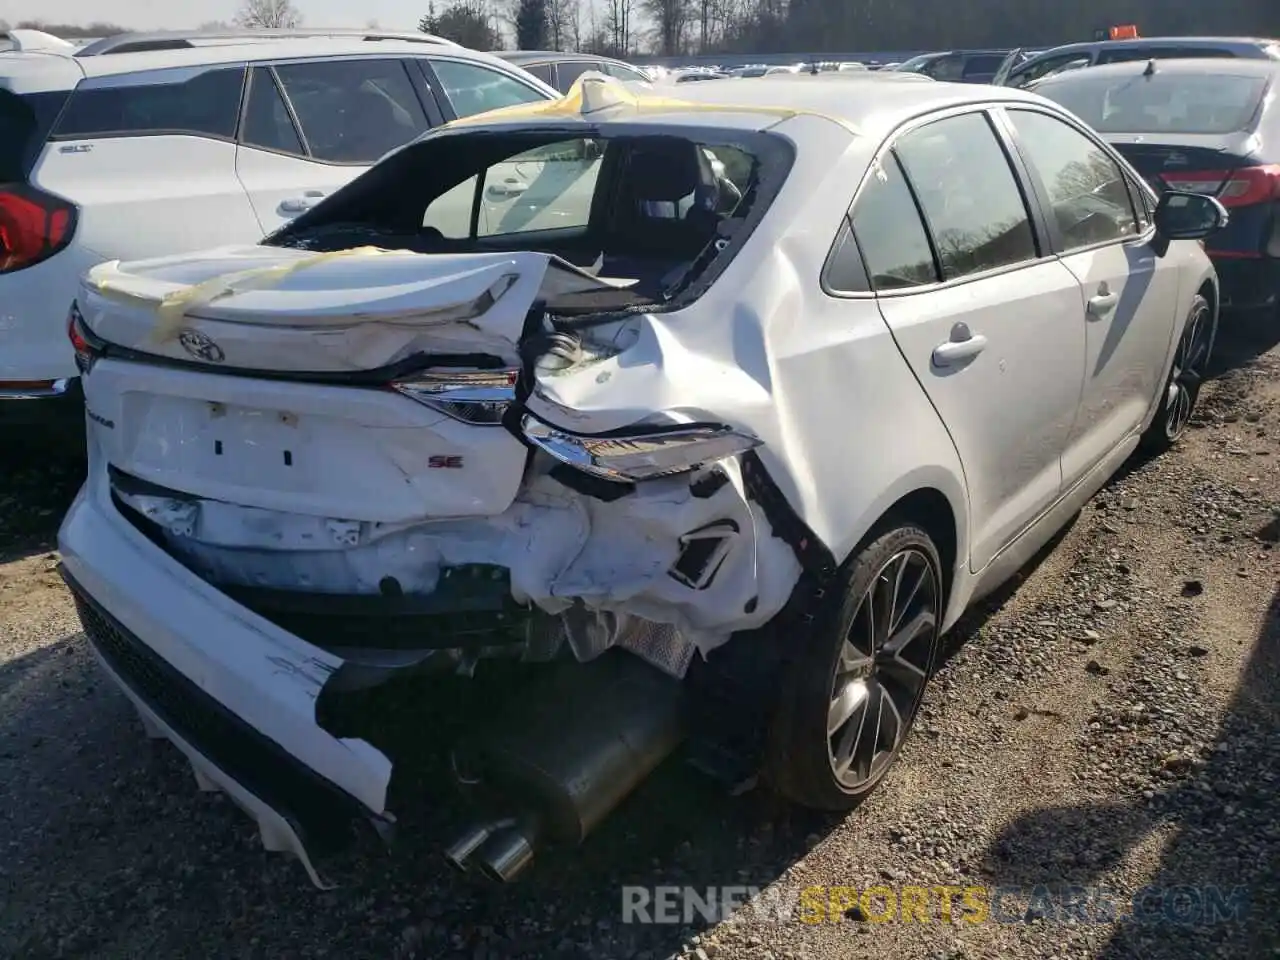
(458, 852)
(507, 853)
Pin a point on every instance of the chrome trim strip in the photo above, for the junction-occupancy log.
(56, 389)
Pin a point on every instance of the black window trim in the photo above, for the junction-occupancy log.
(1031, 200)
(1057, 242)
(242, 65)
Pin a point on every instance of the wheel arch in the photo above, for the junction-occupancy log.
(936, 500)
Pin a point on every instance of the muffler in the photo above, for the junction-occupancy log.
(565, 755)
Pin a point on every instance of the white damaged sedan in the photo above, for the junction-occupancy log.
(716, 413)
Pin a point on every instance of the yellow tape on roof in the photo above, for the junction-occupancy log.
(603, 96)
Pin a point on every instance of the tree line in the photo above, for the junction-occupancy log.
(678, 27)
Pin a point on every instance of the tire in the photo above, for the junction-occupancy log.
(1182, 387)
(803, 756)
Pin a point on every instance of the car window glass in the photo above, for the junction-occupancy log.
(568, 71)
(196, 101)
(969, 195)
(623, 73)
(547, 188)
(946, 68)
(889, 231)
(267, 123)
(473, 89)
(1130, 54)
(1034, 71)
(543, 71)
(845, 272)
(1179, 103)
(353, 111)
(1085, 187)
(982, 65)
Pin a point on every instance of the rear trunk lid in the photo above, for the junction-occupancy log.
(1164, 158)
(275, 378)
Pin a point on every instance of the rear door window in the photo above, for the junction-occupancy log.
(267, 123)
(204, 101)
(353, 111)
(623, 72)
(25, 120)
(473, 89)
(889, 231)
(568, 71)
(971, 200)
(543, 71)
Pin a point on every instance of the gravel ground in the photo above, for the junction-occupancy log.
(1113, 721)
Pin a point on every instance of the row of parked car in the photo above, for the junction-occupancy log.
(712, 413)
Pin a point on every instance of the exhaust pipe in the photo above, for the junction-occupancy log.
(568, 753)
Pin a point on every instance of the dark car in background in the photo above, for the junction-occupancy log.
(1102, 52)
(1205, 126)
(561, 69)
(960, 66)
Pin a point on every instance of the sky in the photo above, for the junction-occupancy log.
(177, 14)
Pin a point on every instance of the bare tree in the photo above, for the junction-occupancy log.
(268, 15)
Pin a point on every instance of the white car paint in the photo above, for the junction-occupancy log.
(839, 392)
(144, 196)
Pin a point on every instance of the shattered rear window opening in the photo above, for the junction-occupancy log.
(657, 213)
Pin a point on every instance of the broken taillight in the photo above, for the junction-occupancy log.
(87, 345)
(645, 454)
(478, 397)
(33, 226)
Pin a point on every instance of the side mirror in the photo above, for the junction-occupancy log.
(1187, 216)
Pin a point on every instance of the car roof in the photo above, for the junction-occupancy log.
(874, 107)
(1218, 66)
(541, 56)
(225, 53)
(1217, 43)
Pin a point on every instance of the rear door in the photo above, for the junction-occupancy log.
(1130, 296)
(988, 319)
(311, 126)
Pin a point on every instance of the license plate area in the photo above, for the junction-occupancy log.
(222, 442)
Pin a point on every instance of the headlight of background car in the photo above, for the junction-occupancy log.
(642, 455)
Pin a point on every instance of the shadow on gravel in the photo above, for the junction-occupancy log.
(1215, 891)
(38, 480)
(1242, 339)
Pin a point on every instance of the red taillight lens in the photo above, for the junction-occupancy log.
(33, 227)
(1234, 188)
(88, 347)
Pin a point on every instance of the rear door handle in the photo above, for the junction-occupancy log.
(962, 346)
(301, 204)
(508, 188)
(1103, 302)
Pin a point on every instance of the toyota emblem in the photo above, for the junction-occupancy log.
(200, 346)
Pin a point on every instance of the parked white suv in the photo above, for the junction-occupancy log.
(135, 154)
